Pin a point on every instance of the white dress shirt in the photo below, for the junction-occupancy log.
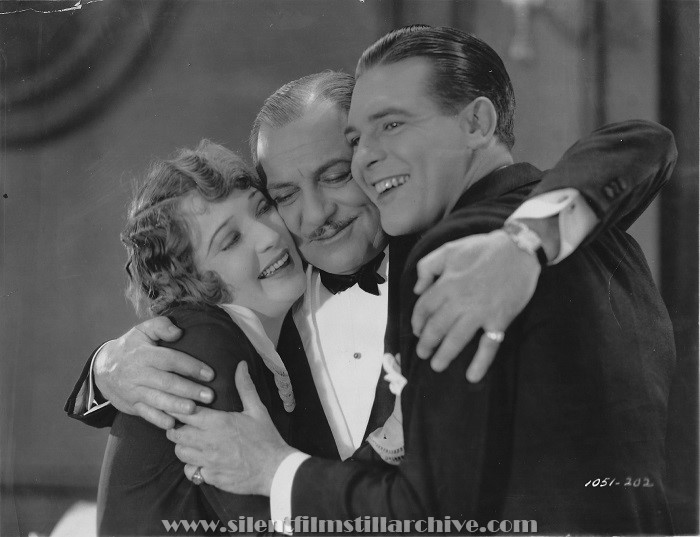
(343, 337)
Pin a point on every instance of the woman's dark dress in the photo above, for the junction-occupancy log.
(142, 482)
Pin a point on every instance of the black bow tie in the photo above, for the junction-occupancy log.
(367, 278)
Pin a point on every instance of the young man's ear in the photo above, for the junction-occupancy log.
(479, 120)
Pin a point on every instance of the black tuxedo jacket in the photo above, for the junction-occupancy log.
(577, 394)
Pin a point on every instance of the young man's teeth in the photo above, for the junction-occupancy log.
(272, 268)
(386, 184)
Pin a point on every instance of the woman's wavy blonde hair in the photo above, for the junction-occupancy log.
(160, 264)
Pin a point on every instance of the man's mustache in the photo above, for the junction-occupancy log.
(329, 229)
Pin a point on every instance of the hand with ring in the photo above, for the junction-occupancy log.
(196, 477)
(237, 452)
(495, 336)
(478, 282)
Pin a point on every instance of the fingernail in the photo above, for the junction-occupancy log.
(437, 367)
(206, 373)
(473, 376)
(205, 395)
(173, 329)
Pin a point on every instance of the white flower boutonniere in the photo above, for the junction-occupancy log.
(392, 367)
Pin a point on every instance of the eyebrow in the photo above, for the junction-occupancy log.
(277, 186)
(252, 193)
(326, 165)
(318, 171)
(376, 116)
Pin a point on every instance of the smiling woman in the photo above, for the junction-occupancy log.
(206, 248)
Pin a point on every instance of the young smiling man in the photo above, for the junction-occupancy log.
(565, 403)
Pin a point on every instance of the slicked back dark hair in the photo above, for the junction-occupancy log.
(292, 101)
(464, 68)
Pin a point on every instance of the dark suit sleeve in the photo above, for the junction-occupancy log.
(142, 475)
(76, 405)
(423, 484)
(619, 169)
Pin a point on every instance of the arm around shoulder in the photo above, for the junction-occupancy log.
(158, 480)
(619, 169)
(210, 336)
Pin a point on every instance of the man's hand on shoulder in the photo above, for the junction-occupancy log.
(483, 282)
(140, 378)
(238, 452)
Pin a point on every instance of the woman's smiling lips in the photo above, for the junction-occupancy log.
(282, 261)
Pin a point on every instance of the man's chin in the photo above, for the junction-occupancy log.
(335, 264)
(395, 226)
(339, 268)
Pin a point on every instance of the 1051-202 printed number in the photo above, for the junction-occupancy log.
(627, 482)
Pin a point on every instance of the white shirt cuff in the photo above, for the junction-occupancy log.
(92, 405)
(576, 218)
(281, 492)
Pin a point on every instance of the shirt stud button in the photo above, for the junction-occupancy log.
(357, 356)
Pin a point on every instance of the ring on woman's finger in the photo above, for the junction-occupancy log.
(197, 478)
(495, 335)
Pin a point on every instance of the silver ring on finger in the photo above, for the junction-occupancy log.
(495, 335)
(197, 478)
